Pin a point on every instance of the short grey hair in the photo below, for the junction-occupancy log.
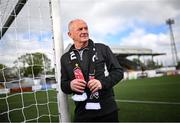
(72, 21)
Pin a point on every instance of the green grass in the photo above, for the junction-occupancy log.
(153, 89)
(30, 111)
(164, 92)
(160, 89)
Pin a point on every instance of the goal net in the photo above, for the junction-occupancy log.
(28, 84)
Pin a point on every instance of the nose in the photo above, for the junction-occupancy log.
(84, 30)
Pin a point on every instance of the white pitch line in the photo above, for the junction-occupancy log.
(149, 102)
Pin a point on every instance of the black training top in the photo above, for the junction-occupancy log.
(105, 57)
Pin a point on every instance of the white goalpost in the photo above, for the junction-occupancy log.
(31, 45)
(58, 45)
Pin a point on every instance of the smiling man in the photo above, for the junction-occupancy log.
(83, 74)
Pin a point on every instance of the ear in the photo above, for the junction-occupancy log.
(69, 34)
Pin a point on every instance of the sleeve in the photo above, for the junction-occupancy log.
(115, 70)
(65, 81)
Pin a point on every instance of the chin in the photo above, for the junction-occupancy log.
(85, 40)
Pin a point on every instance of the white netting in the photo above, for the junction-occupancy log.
(27, 78)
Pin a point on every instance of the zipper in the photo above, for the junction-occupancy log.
(81, 53)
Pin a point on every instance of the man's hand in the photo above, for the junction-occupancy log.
(94, 85)
(78, 85)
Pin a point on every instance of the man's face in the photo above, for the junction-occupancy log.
(79, 31)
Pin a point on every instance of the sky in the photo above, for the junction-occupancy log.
(116, 23)
(132, 23)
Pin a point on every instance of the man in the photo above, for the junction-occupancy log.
(83, 70)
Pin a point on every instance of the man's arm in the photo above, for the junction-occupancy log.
(65, 81)
(115, 70)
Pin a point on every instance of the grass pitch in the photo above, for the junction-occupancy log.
(142, 100)
(29, 107)
(149, 99)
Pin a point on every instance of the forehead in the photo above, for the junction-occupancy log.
(78, 24)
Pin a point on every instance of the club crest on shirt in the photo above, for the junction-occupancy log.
(94, 95)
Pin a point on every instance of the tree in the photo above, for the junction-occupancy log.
(2, 66)
(178, 65)
(138, 62)
(33, 64)
(153, 65)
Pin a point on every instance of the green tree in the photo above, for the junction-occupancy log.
(1, 72)
(138, 62)
(2, 66)
(33, 64)
(153, 65)
(178, 65)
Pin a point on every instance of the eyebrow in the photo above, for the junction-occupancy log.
(82, 28)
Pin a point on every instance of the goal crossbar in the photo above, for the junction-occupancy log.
(20, 4)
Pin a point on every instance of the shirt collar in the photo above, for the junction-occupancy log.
(87, 47)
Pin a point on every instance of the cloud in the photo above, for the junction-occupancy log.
(159, 43)
(11, 49)
(117, 22)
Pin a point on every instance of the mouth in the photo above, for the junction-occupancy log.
(84, 35)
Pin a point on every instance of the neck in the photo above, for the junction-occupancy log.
(80, 45)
